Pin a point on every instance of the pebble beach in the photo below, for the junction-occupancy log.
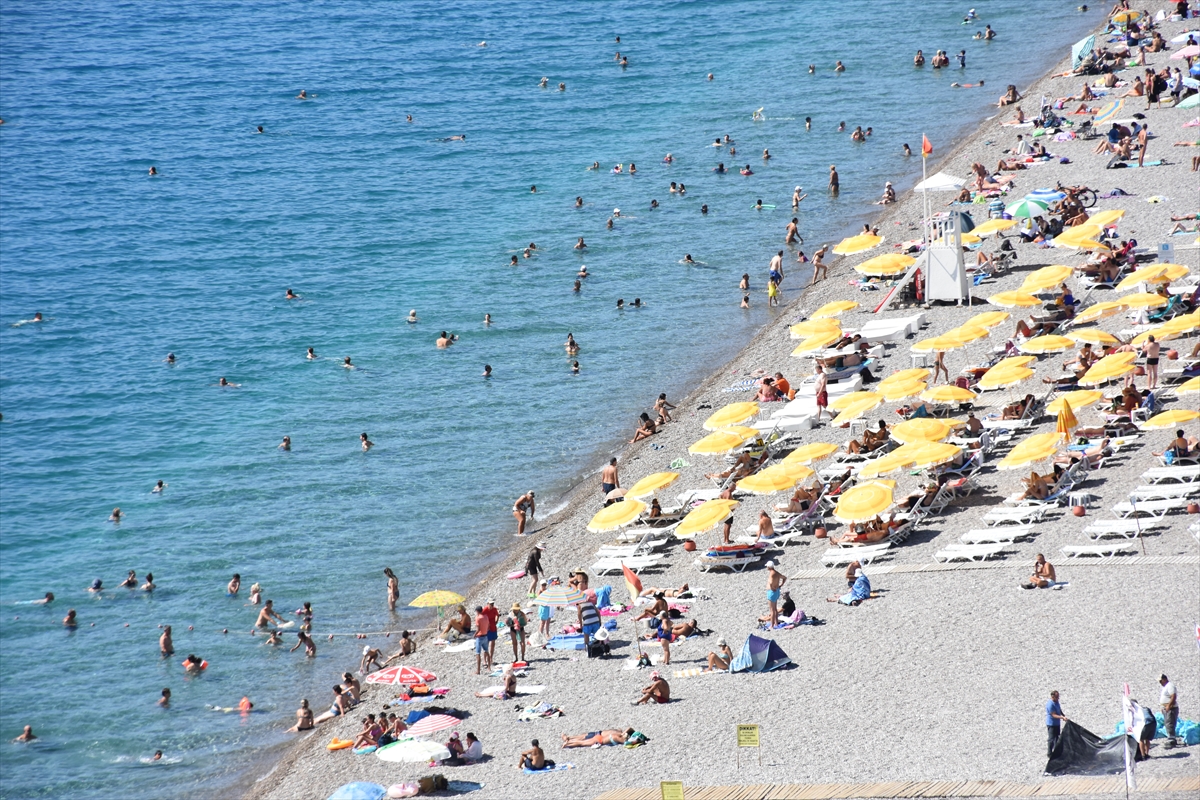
(941, 677)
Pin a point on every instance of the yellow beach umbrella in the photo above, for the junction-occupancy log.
(899, 391)
(1172, 329)
(1107, 217)
(1093, 336)
(971, 333)
(1046, 278)
(1145, 300)
(1142, 275)
(857, 409)
(905, 376)
(775, 478)
(833, 309)
(965, 238)
(1014, 300)
(615, 516)
(1036, 448)
(950, 340)
(987, 319)
(923, 429)
(996, 378)
(1172, 272)
(723, 441)
(438, 598)
(934, 454)
(1065, 422)
(993, 226)
(655, 481)
(864, 502)
(1125, 17)
(1046, 344)
(1169, 419)
(812, 327)
(1081, 244)
(886, 264)
(1188, 387)
(1012, 362)
(1085, 230)
(817, 342)
(705, 516)
(857, 244)
(1099, 311)
(899, 458)
(810, 453)
(847, 400)
(732, 414)
(948, 394)
(1076, 399)
(1108, 368)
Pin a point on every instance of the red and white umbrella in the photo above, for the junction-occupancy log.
(404, 675)
(432, 724)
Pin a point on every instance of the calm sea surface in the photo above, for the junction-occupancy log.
(367, 216)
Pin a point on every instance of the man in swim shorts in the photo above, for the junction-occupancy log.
(775, 581)
(609, 479)
(493, 615)
(481, 640)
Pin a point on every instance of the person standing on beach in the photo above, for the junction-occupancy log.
(481, 629)
(820, 268)
(1170, 708)
(393, 588)
(609, 479)
(939, 366)
(523, 509)
(545, 617)
(493, 632)
(775, 582)
(1054, 719)
(834, 183)
(533, 567)
(822, 392)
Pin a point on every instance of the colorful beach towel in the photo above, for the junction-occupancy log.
(555, 768)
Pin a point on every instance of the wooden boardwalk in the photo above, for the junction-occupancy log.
(1059, 787)
(896, 569)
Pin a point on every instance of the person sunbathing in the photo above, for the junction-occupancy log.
(1010, 165)
(801, 500)
(459, 625)
(1010, 96)
(871, 440)
(721, 659)
(744, 465)
(659, 607)
(682, 630)
(508, 691)
(645, 430)
(596, 738)
(921, 499)
(1017, 410)
(653, 591)
(1036, 487)
(370, 733)
(1043, 576)
(1117, 427)
(767, 393)
(1180, 447)
(1093, 455)
(659, 690)
(874, 531)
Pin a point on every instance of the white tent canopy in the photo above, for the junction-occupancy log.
(941, 182)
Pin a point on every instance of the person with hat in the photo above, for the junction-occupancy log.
(721, 658)
(516, 622)
(1170, 708)
(659, 690)
(533, 567)
(775, 581)
(889, 194)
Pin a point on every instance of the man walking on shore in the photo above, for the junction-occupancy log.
(822, 393)
(775, 582)
(1054, 719)
(1170, 708)
(609, 479)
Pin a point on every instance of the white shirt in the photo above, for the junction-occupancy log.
(474, 752)
(1167, 695)
(1023, 147)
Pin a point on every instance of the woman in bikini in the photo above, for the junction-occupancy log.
(596, 738)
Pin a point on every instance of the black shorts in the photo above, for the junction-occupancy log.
(1152, 362)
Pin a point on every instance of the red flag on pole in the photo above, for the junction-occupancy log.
(926, 147)
(632, 583)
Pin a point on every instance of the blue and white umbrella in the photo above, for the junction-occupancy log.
(1081, 50)
(1047, 196)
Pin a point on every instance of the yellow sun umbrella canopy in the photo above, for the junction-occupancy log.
(438, 598)
(1074, 400)
(1106, 217)
(1078, 233)
(1093, 336)
(1169, 419)
(933, 454)
(650, 484)
(951, 339)
(886, 264)
(811, 327)
(833, 309)
(775, 478)
(811, 452)
(732, 414)
(1046, 278)
(1013, 362)
(1145, 300)
(1065, 423)
(1046, 344)
(901, 457)
(1036, 448)
(905, 376)
(993, 226)
(1108, 368)
(864, 502)
(1154, 273)
(816, 342)
(948, 394)
(705, 517)
(1099, 311)
(857, 409)
(987, 319)
(723, 441)
(1002, 378)
(924, 429)
(847, 400)
(1014, 300)
(899, 391)
(617, 515)
(857, 244)
(1172, 329)
(1188, 387)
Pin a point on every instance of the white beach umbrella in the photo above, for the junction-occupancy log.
(941, 182)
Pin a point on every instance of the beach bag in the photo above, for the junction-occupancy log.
(433, 783)
(419, 690)
(598, 649)
(644, 660)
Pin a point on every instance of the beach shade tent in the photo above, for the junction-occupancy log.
(732, 414)
(1075, 400)
(1049, 343)
(812, 327)
(941, 182)
(360, 790)
(847, 400)
(1027, 208)
(948, 395)
(705, 517)
(816, 342)
(1014, 300)
(1108, 368)
(856, 409)
(1169, 419)
(1037, 447)
(1093, 336)
(865, 501)
(906, 375)
(759, 655)
(616, 516)
(1099, 311)
(884, 265)
(401, 676)
(1082, 49)
(1188, 387)
(997, 378)
(723, 441)
(1046, 278)
(654, 482)
(775, 478)
(810, 453)
(1078, 751)
(922, 429)
(994, 226)
(857, 244)
(438, 598)
(1145, 300)
(414, 751)
(899, 391)
(1107, 217)
(562, 595)
(833, 309)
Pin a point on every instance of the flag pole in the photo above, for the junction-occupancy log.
(924, 191)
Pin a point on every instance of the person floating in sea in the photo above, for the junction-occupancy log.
(303, 95)
(225, 384)
(366, 443)
(290, 295)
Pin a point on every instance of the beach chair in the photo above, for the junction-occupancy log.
(1165, 491)
(841, 556)
(1007, 534)
(968, 552)
(1186, 474)
(778, 540)
(1153, 508)
(1020, 515)
(650, 541)
(634, 533)
(1120, 528)
(735, 563)
(635, 563)
(1104, 551)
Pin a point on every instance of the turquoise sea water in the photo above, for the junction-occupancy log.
(367, 216)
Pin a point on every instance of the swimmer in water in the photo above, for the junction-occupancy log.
(265, 614)
(96, 587)
(487, 320)
(907, 150)
(609, 224)
(574, 367)
(69, 621)
(513, 262)
(766, 154)
(158, 487)
(757, 116)
(840, 67)
(290, 295)
(583, 273)
(710, 76)
(276, 638)
(841, 128)
(157, 756)
(595, 165)
(620, 304)
(637, 302)
(571, 346)
(130, 581)
(286, 444)
(226, 384)
(533, 189)
(704, 208)
(966, 85)
(632, 168)
(580, 245)
(687, 259)
(624, 61)
(116, 515)
(653, 204)
(462, 137)
(682, 189)
(578, 285)
(717, 142)
(618, 169)
(153, 171)
(26, 735)
(305, 641)
(303, 95)
(149, 586)
(366, 443)
(543, 83)
(673, 188)
(170, 359)
(45, 601)
(812, 69)
(668, 159)
(487, 370)
(347, 364)
(758, 205)
(797, 197)
(311, 355)
(235, 584)
(579, 202)
(165, 700)
(408, 118)
(719, 168)
(746, 170)
(412, 316)
(562, 87)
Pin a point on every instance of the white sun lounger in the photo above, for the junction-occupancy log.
(1005, 534)
(1021, 515)
(841, 556)
(1165, 491)
(1155, 508)
(735, 563)
(778, 540)
(1105, 551)
(968, 552)
(634, 533)
(1127, 528)
(635, 563)
(1188, 474)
